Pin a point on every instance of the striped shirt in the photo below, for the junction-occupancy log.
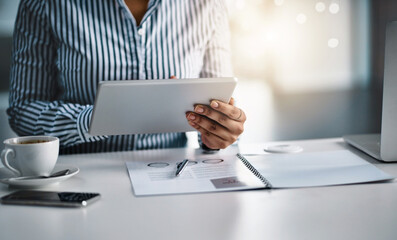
(63, 48)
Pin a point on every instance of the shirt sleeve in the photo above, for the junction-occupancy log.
(217, 56)
(35, 91)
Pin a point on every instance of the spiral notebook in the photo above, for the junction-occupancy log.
(238, 172)
(312, 169)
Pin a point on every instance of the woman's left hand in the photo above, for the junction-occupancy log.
(220, 123)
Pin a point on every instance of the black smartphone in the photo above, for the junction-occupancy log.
(45, 198)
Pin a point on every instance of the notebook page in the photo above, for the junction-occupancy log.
(316, 169)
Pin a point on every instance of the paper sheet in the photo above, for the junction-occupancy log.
(203, 174)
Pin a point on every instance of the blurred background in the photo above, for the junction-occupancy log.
(306, 68)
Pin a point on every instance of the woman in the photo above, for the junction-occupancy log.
(63, 48)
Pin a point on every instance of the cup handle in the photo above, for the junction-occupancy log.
(4, 160)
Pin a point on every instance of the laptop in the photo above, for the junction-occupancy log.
(383, 146)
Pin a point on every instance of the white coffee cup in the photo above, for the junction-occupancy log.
(30, 156)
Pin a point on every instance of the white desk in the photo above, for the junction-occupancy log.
(366, 211)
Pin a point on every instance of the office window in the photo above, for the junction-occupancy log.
(302, 45)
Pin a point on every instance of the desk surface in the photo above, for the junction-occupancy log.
(364, 211)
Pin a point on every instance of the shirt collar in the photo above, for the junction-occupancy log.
(151, 3)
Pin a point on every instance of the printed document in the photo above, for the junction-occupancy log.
(203, 174)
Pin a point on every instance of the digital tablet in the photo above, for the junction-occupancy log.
(153, 106)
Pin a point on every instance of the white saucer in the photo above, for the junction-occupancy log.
(6, 178)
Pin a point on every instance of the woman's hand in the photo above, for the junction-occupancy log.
(220, 123)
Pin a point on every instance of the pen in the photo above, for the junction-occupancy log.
(181, 166)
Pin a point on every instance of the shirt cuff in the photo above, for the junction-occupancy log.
(83, 124)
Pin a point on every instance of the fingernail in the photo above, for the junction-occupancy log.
(214, 104)
(199, 109)
(192, 117)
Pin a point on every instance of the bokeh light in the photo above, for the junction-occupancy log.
(320, 7)
(301, 18)
(334, 8)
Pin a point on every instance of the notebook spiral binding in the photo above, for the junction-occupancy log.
(254, 171)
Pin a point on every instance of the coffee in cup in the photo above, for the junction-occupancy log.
(30, 156)
(33, 141)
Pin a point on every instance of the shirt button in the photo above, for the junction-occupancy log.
(141, 31)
